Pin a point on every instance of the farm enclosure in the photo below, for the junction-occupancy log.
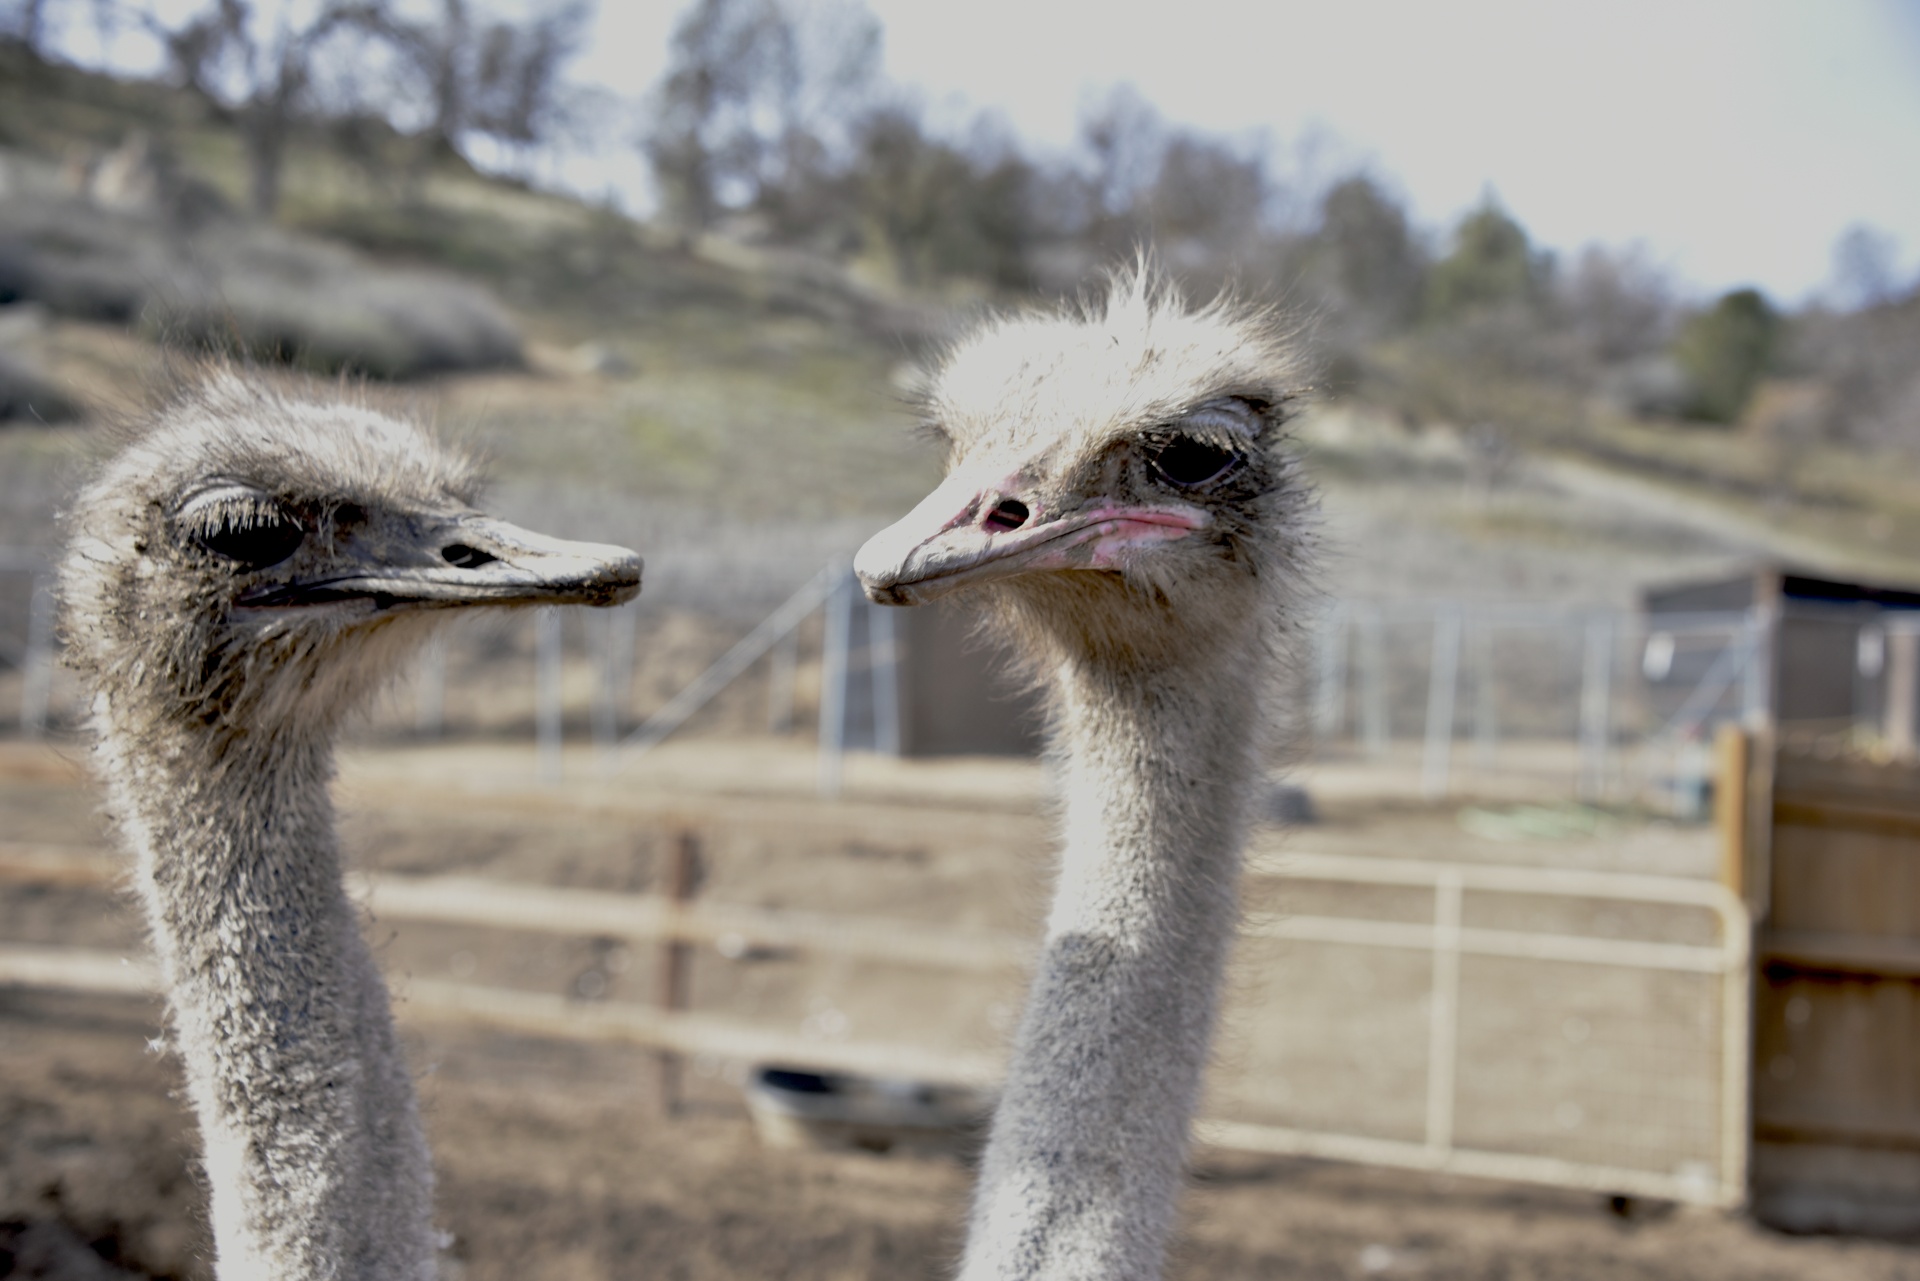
(948, 851)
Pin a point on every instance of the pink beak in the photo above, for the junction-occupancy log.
(977, 526)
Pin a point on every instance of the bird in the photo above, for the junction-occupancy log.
(252, 566)
(1123, 496)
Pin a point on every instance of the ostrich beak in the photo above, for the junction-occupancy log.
(967, 532)
(466, 559)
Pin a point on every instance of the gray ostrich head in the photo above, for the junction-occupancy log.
(1119, 477)
(256, 562)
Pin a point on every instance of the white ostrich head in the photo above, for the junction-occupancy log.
(1118, 474)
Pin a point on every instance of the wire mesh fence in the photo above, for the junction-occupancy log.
(1616, 704)
(1607, 703)
(27, 638)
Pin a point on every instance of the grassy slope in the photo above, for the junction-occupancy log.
(759, 392)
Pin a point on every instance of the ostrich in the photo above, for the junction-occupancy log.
(1119, 486)
(247, 571)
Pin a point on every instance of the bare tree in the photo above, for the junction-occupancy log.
(758, 100)
(1369, 265)
(1124, 141)
(259, 60)
(1866, 267)
(518, 94)
(26, 22)
(1619, 302)
(943, 207)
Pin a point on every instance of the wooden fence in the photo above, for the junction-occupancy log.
(1700, 1159)
(1828, 853)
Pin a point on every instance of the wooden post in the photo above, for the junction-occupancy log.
(37, 686)
(1443, 680)
(430, 690)
(676, 887)
(1732, 765)
(546, 693)
(781, 680)
(1596, 709)
(835, 652)
(1373, 681)
(1903, 689)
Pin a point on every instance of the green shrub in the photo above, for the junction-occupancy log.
(1724, 351)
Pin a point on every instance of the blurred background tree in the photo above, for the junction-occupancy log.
(1724, 351)
(757, 111)
(260, 61)
(487, 78)
(1491, 263)
(773, 124)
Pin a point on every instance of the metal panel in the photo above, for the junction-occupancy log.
(1574, 1053)
(956, 696)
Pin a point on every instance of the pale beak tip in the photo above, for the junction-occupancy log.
(884, 593)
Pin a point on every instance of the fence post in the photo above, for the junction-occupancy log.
(781, 682)
(1329, 705)
(546, 693)
(1442, 684)
(430, 690)
(615, 628)
(675, 956)
(833, 681)
(884, 670)
(1486, 696)
(1596, 709)
(1443, 1027)
(36, 688)
(1373, 682)
(1731, 749)
(1756, 687)
(1903, 688)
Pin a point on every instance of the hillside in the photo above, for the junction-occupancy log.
(734, 409)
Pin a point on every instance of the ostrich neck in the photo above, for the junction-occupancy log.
(314, 1151)
(1085, 1163)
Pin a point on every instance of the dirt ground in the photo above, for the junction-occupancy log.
(554, 1158)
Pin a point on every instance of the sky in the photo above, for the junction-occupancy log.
(1734, 139)
(1731, 140)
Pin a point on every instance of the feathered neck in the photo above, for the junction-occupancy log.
(314, 1153)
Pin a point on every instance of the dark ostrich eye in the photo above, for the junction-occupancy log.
(243, 525)
(1190, 463)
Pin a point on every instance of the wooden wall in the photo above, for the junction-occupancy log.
(1836, 1069)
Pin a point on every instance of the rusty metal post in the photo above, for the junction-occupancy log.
(675, 973)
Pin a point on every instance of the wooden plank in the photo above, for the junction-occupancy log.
(1803, 809)
(1849, 780)
(1845, 881)
(1833, 952)
(83, 969)
(457, 900)
(74, 969)
(48, 863)
(1876, 1132)
(544, 909)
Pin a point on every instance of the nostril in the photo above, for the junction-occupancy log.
(465, 557)
(1010, 514)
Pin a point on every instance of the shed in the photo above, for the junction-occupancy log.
(957, 696)
(1833, 655)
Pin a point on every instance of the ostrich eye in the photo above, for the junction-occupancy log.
(1188, 463)
(243, 526)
